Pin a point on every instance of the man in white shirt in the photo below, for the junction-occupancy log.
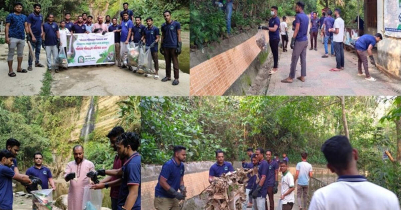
(283, 33)
(287, 187)
(351, 191)
(338, 39)
(304, 172)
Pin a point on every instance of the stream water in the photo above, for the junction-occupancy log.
(89, 123)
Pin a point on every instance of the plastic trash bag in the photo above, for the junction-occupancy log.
(133, 55)
(261, 39)
(62, 58)
(92, 199)
(43, 199)
(146, 61)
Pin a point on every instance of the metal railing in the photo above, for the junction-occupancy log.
(321, 178)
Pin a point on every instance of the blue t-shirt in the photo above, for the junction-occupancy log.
(303, 21)
(216, 170)
(247, 165)
(17, 25)
(271, 174)
(262, 171)
(43, 174)
(252, 179)
(170, 33)
(89, 28)
(130, 14)
(6, 188)
(173, 173)
(36, 24)
(80, 29)
(329, 22)
(364, 41)
(321, 20)
(125, 26)
(50, 33)
(315, 25)
(14, 164)
(150, 36)
(272, 22)
(116, 34)
(69, 25)
(131, 176)
(286, 159)
(138, 32)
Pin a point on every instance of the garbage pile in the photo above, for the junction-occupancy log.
(228, 191)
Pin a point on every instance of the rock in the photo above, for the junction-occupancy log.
(62, 202)
(28, 195)
(20, 193)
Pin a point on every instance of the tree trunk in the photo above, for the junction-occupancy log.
(346, 131)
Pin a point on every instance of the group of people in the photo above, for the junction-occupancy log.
(331, 30)
(124, 179)
(53, 37)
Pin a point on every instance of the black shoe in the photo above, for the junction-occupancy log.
(176, 82)
(165, 79)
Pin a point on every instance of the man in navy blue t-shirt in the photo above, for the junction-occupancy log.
(51, 39)
(35, 21)
(274, 35)
(220, 167)
(13, 145)
(129, 12)
(42, 172)
(68, 22)
(117, 30)
(125, 39)
(130, 188)
(138, 31)
(328, 23)
(314, 22)
(15, 37)
(364, 46)
(299, 43)
(271, 178)
(152, 37)
(171, 179)
(260, 189)
(171, 46)
(6, 177)
(79, 27)
(249, 152)
(251, 181)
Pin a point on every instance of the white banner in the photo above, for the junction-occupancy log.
(392, 18)
(90, 49)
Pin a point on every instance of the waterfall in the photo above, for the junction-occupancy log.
(89, 122)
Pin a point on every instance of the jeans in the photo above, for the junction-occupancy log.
(248, 200)
(35, 47)
(326, 40)
(259, 203)
(339, 50)
(52, 51)
(229, 12)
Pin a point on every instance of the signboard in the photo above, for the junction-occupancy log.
(392, 18)
(90, 49)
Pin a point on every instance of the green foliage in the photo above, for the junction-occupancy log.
(47, 84)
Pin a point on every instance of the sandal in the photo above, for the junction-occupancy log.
(302, 79)
(286, 81)
(371, 79)
(325, 56)
(38, 65)
(334, 69)
(176, 82)
(165, 79)
(359, 74)
(12, 74)
(22, 71)
(272, 72)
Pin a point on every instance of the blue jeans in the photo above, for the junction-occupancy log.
(326, 40)
(35, 47)
(229, 12)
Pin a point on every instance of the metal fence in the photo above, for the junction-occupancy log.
(320, 178)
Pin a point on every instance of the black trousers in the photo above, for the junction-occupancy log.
(114, 203)
(274, 47)
(284, 39)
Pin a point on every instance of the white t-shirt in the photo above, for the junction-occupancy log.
(63, 36)
(354, 194)
(303, 177)
(283, 26)
(287, 182)
(339, 23)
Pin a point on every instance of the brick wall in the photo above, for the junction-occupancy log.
(216, 75)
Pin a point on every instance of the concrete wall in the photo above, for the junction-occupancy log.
(389, 56)
(195, 179)
(216, 75)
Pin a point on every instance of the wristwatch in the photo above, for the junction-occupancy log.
(106, 185)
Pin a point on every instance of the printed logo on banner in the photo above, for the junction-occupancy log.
(81, 59)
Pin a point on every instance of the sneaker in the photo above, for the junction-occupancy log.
(371, 79)
(29, 68)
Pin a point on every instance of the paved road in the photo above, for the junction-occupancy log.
(321, 81)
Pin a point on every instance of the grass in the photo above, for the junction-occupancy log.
(183, 58)
(47, 82)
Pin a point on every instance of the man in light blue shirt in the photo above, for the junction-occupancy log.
(304, 172)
